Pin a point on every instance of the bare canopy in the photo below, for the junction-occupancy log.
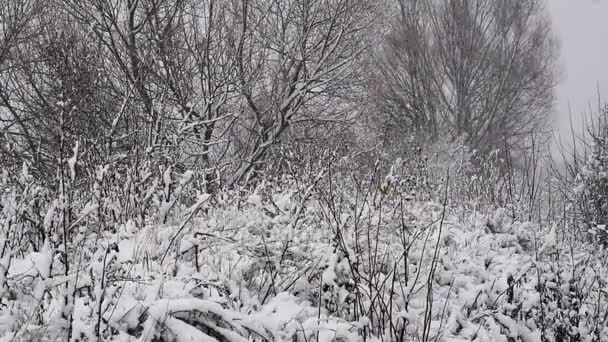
(482, 69)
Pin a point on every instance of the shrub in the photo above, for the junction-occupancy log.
(592, 184)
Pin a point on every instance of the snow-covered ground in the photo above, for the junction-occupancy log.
(288, 267)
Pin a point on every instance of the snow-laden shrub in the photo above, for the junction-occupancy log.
(570, 289)
(592, 185)
(337, 257)
(480, 181)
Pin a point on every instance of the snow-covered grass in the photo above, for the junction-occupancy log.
(139, 258)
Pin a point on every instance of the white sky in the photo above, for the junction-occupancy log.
(582, 26)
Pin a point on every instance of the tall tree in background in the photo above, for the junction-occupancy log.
(483, 70)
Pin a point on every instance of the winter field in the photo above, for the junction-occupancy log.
(327, 256)
(297, 171)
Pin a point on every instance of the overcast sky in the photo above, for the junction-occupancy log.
(582, 26)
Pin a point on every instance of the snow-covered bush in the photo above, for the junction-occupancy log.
(478, 181)
(592, 185)
(334, 254)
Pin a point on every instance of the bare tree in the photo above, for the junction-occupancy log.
(209, 84)
(192, 64)
(483, 70)
(18, 24)
(207, 78)
(290, 54)
(168, 61)
(119, 26)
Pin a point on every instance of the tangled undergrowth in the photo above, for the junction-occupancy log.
(141, 257)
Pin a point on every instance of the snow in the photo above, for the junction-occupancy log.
(255, 199)
(288, 275)
(72, 162)
(33, 265)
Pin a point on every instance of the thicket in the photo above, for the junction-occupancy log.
(592, 182)
(330, 252)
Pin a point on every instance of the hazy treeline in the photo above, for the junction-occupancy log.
(224, 86)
